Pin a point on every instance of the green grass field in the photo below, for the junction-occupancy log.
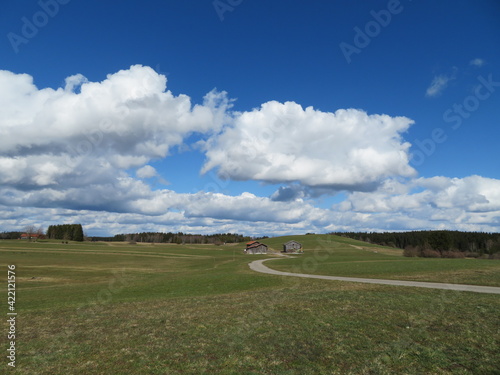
(96, 308)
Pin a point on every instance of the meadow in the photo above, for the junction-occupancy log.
(118, 308)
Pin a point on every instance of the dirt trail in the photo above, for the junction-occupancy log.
(258, 266)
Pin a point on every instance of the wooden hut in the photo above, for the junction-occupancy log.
(292, 246)
(255, 247)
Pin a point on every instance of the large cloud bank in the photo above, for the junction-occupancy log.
(87, 132)
(470, 203)
(81, 153)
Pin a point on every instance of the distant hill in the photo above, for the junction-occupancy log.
(312, 241)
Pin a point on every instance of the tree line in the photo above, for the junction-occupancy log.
(440, 243)
(178, 238)
(10, 235)
(69, 232)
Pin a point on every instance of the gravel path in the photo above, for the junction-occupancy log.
(258, 266)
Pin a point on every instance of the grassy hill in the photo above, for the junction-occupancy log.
(315, 241)
(93, 308)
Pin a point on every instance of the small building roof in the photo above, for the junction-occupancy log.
(255, 244)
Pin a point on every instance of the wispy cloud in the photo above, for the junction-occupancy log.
(439, 84)
(477, 62)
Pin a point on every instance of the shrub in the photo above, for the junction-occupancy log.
(411, 252)
(428, 253)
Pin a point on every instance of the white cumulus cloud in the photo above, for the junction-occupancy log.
(284, 143)
(63, 137)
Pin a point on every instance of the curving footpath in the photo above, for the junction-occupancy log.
(259, 267)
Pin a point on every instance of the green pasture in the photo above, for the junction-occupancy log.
(118, 308)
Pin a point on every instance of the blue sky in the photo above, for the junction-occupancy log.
(257, 117)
